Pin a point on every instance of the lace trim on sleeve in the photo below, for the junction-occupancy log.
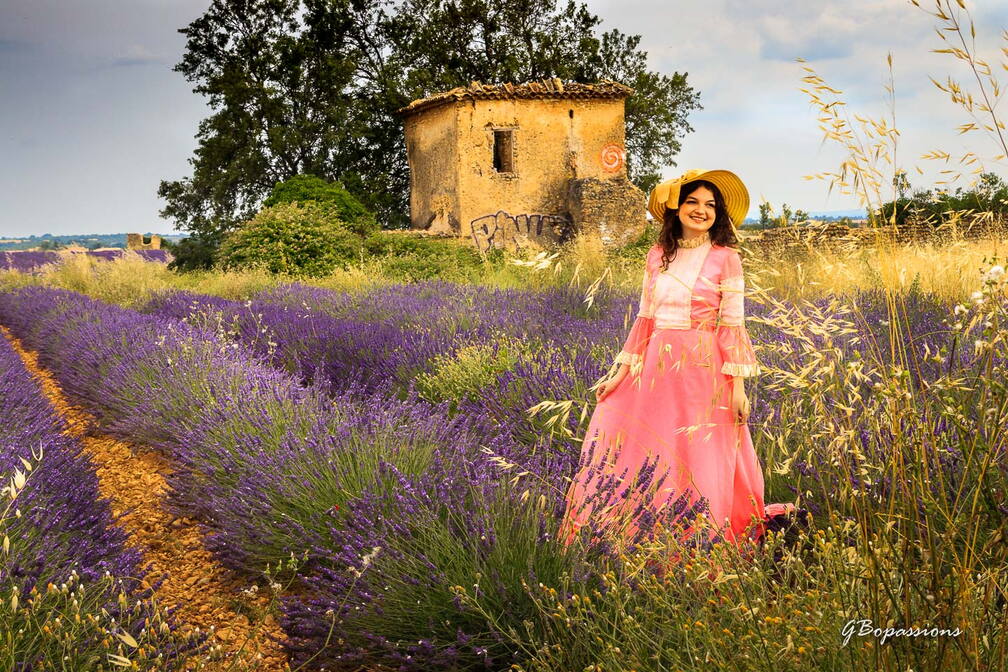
(740, 370)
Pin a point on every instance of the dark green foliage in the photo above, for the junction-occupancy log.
(194, 253)
(933, 207)
(297, 239)
(304, 188)
(313, 86)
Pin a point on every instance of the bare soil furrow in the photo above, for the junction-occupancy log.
(207, 595)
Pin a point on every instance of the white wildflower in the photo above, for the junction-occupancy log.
(367, 559)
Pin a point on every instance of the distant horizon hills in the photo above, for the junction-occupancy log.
(825, 214)
(88, 240)
(9, 242)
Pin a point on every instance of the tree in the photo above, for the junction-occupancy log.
(989, 195)
(281, 105)
(313, 86)
(191, 254)
(787, 216)
(902, 184)
(765, 215)
(305, 188)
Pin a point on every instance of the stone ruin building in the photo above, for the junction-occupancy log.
(137, 241)
(524, 165)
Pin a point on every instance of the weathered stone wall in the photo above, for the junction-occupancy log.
(839, 238)
(432, 150)
(568, 171)
(612, 207)
(523, 231)
(554, 141)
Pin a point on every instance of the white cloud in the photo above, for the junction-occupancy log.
(741, 55)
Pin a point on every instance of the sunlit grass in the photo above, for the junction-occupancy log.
(947, 269)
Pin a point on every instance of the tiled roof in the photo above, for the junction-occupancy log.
(546, 89)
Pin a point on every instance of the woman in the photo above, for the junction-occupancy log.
(668, 443)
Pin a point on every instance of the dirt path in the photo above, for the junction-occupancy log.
(207, 595)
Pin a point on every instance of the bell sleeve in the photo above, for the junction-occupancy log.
(733, 339)
(636, 343)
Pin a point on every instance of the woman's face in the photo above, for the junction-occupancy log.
(697, 212)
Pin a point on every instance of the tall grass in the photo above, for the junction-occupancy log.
(946, 269)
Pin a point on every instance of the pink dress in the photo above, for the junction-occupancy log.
(664, 442)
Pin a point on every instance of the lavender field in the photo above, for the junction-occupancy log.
(34, 262)
(383, 438)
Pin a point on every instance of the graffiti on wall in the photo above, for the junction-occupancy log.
(612, 157)
(504, 231)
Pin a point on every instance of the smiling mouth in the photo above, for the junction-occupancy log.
(699, 219)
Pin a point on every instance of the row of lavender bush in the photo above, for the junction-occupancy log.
(492, 354)
(29, 261)
(390, 502)
(72, 592)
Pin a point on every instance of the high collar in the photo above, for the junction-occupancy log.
(695, 242)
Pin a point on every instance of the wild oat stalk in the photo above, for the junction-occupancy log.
(868, 142)
(980, 104)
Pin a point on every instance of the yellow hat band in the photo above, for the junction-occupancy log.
(736, 197)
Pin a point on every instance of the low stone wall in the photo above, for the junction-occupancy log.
(840, 238)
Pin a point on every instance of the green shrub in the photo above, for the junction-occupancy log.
(303, 189)
(296, 239)
(414, 258)
(934, 206)
(466, 373)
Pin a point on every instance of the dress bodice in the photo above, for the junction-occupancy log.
(702, 288)
(690, 291)
(686, 293)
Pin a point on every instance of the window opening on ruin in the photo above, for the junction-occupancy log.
(571, 112)
(503, 155)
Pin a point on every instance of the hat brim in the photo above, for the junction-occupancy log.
(733, 190)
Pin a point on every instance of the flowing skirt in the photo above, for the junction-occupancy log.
(664, 448)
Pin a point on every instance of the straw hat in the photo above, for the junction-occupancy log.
(735, 194)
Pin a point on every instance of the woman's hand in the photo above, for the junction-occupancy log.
(739, 402)
(606, 387)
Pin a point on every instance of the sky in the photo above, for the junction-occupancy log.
(93, 116)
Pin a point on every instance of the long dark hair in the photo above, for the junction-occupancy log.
(721, 233)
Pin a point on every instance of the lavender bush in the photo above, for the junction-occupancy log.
(70, 585)
(382, 479)
(27, 261)
(159, 256)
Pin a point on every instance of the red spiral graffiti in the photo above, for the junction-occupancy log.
(613, 158)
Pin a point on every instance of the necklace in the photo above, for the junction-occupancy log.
(695, 241)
